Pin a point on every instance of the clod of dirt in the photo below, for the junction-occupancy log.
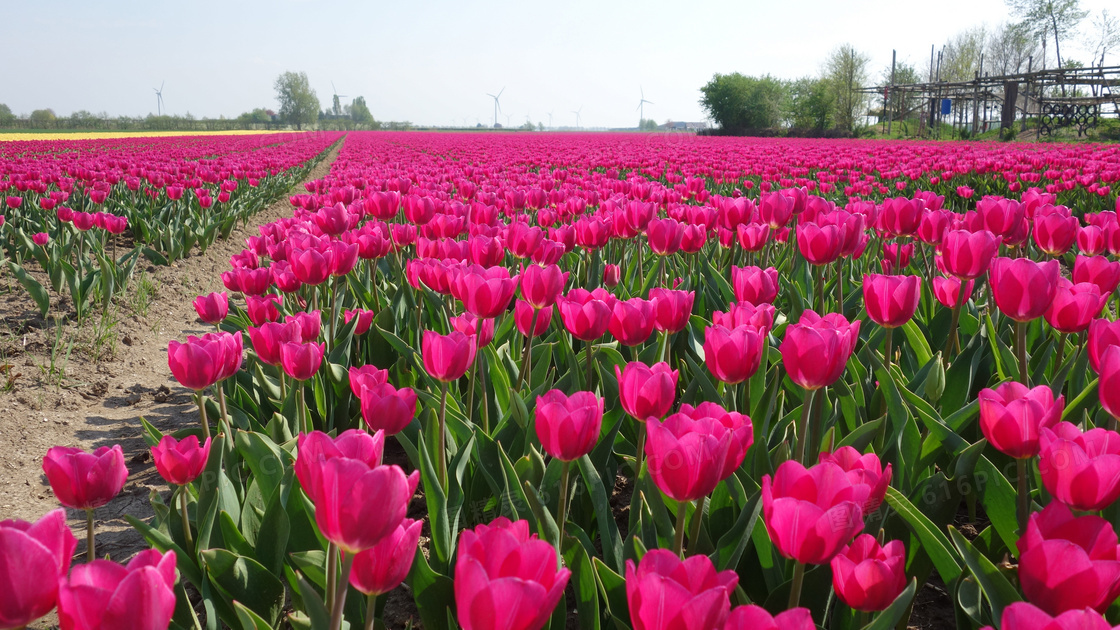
(141, 458)
(162, 395)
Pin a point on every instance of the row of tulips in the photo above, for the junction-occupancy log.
(68, 210)
(740, 441)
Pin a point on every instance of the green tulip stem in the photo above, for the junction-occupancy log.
(661, 273)
(470, 389)
(333, 314)
(371, 610)
(340, 593)
(1061, 353)
(840, 284)
(332, 574)
(697, 518)
(1021, 350)
(186, 519)
(678, 537)
(590, 387)
(90, 542)
(953, 342)
(222, 408)
(313, 300)
(795, 585)
(562, 507)
(283, 387)
(587, 267)
(441, 455)
(202, 413)
(527, 359)
(305, 417)
(820, 292)
(888, 349)
(641, 450)
(1024, 495)
(803, 430)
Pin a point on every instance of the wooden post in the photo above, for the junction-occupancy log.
(886, 99)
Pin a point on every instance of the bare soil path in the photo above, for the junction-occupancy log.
(113, 371)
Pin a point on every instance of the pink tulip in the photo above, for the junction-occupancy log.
(568, 426)
(84, 481)
(868, 577)
(1012, 416)
(967, 255)
(1099, 271)
(1023, 616)
(541, 286)
(632, 321)
(447, 357)
(1074, 306)
(33, 558)
(505, 578)
(948, 291)
(366, 377)
(811, 513)
(585, 316)
(646, 392)
(104, 594)
(386, 408)
(862, 469)
(667, 593)
(524, 317)
(212, 308)
(816, 349)
(733, 355)
(310, 325)
(692, 451)
(383, 567)
(1079, 469)
(270, 337)
(356, 505)
(481, 329)
(612, 275)
(262, 308)
(671, 309)
(820, 245)
(1067, 562)
(891, 300)
(180, 462)
(1109, 386)
(301, 360)
(755, 285)
(1023, 289)
(760, 317)
(196, 364)
(365, 319)
(1102, 335)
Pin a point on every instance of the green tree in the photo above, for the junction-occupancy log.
(7, 118)
(1010, 49)
(258, 116)
(900, 102)
(1053, 19)
(299, 105)
(846, 71)
(810, 104)
(42, 118)
(359, 111)
(648, 124)
(960, 60)
(737, 102)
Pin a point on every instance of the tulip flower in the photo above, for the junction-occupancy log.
(646, 392)
(270, 337)
(195, 364)
(1023, 289)
(632, 321)
(1079, 469)
(531, 322)
(1055, 232)
(301, 360)
(446, 358)
(585, 316)
(691, 452)
(1102, 335)
(541, 286)
(733, 355)
(755, 285)
(760, 317)
(811, 514)
(180, 462)
(820, 245)
(357, 505)
(665, 593)
(671, 309)
(35, 556)
(612, 275)
(104, 594)
(752, 236)
(1091, 240)
(1074, 306)
(754, 617)
(1068, 563)
(1099, 271)
(481, 329)
(1109, 386)
(1012, 417)
(891, 300)
(506, 578)
(568, 426)
(365, 319)
(1024, 616)
(967, 255)
(864, 470)
(900, 216)
(869, 577)
(262, 308)
(664, 236)
(212, 308)
(383, 567)
(386, 408)
(85, 481)
(485, 293)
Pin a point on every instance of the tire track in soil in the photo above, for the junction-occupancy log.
(106, 398)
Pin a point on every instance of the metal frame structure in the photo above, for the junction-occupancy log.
(1057, 98)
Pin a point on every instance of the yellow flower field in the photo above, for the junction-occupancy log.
(100, 135)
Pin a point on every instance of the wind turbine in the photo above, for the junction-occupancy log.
(497, 106)
(550, 119)
(577, 112)
(641, 109)
(508, 116)
(336, 107)
(159, 99)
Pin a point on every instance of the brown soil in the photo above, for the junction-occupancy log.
(115, 373)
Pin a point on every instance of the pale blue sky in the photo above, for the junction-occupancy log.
(433, 61)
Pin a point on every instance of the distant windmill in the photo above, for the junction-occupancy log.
(336, 106)
(641, 109)
(508, 116)
(550, 119)
(497, 106)
(159, 99)
(577, 113)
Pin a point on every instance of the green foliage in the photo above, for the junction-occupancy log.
(846, 73)
(359, 111)
(737, 102)
(810, 104)
(299, 105)
(42, 118)
(6, 115)
(258, 116)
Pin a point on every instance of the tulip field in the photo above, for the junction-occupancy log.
(604, 381)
